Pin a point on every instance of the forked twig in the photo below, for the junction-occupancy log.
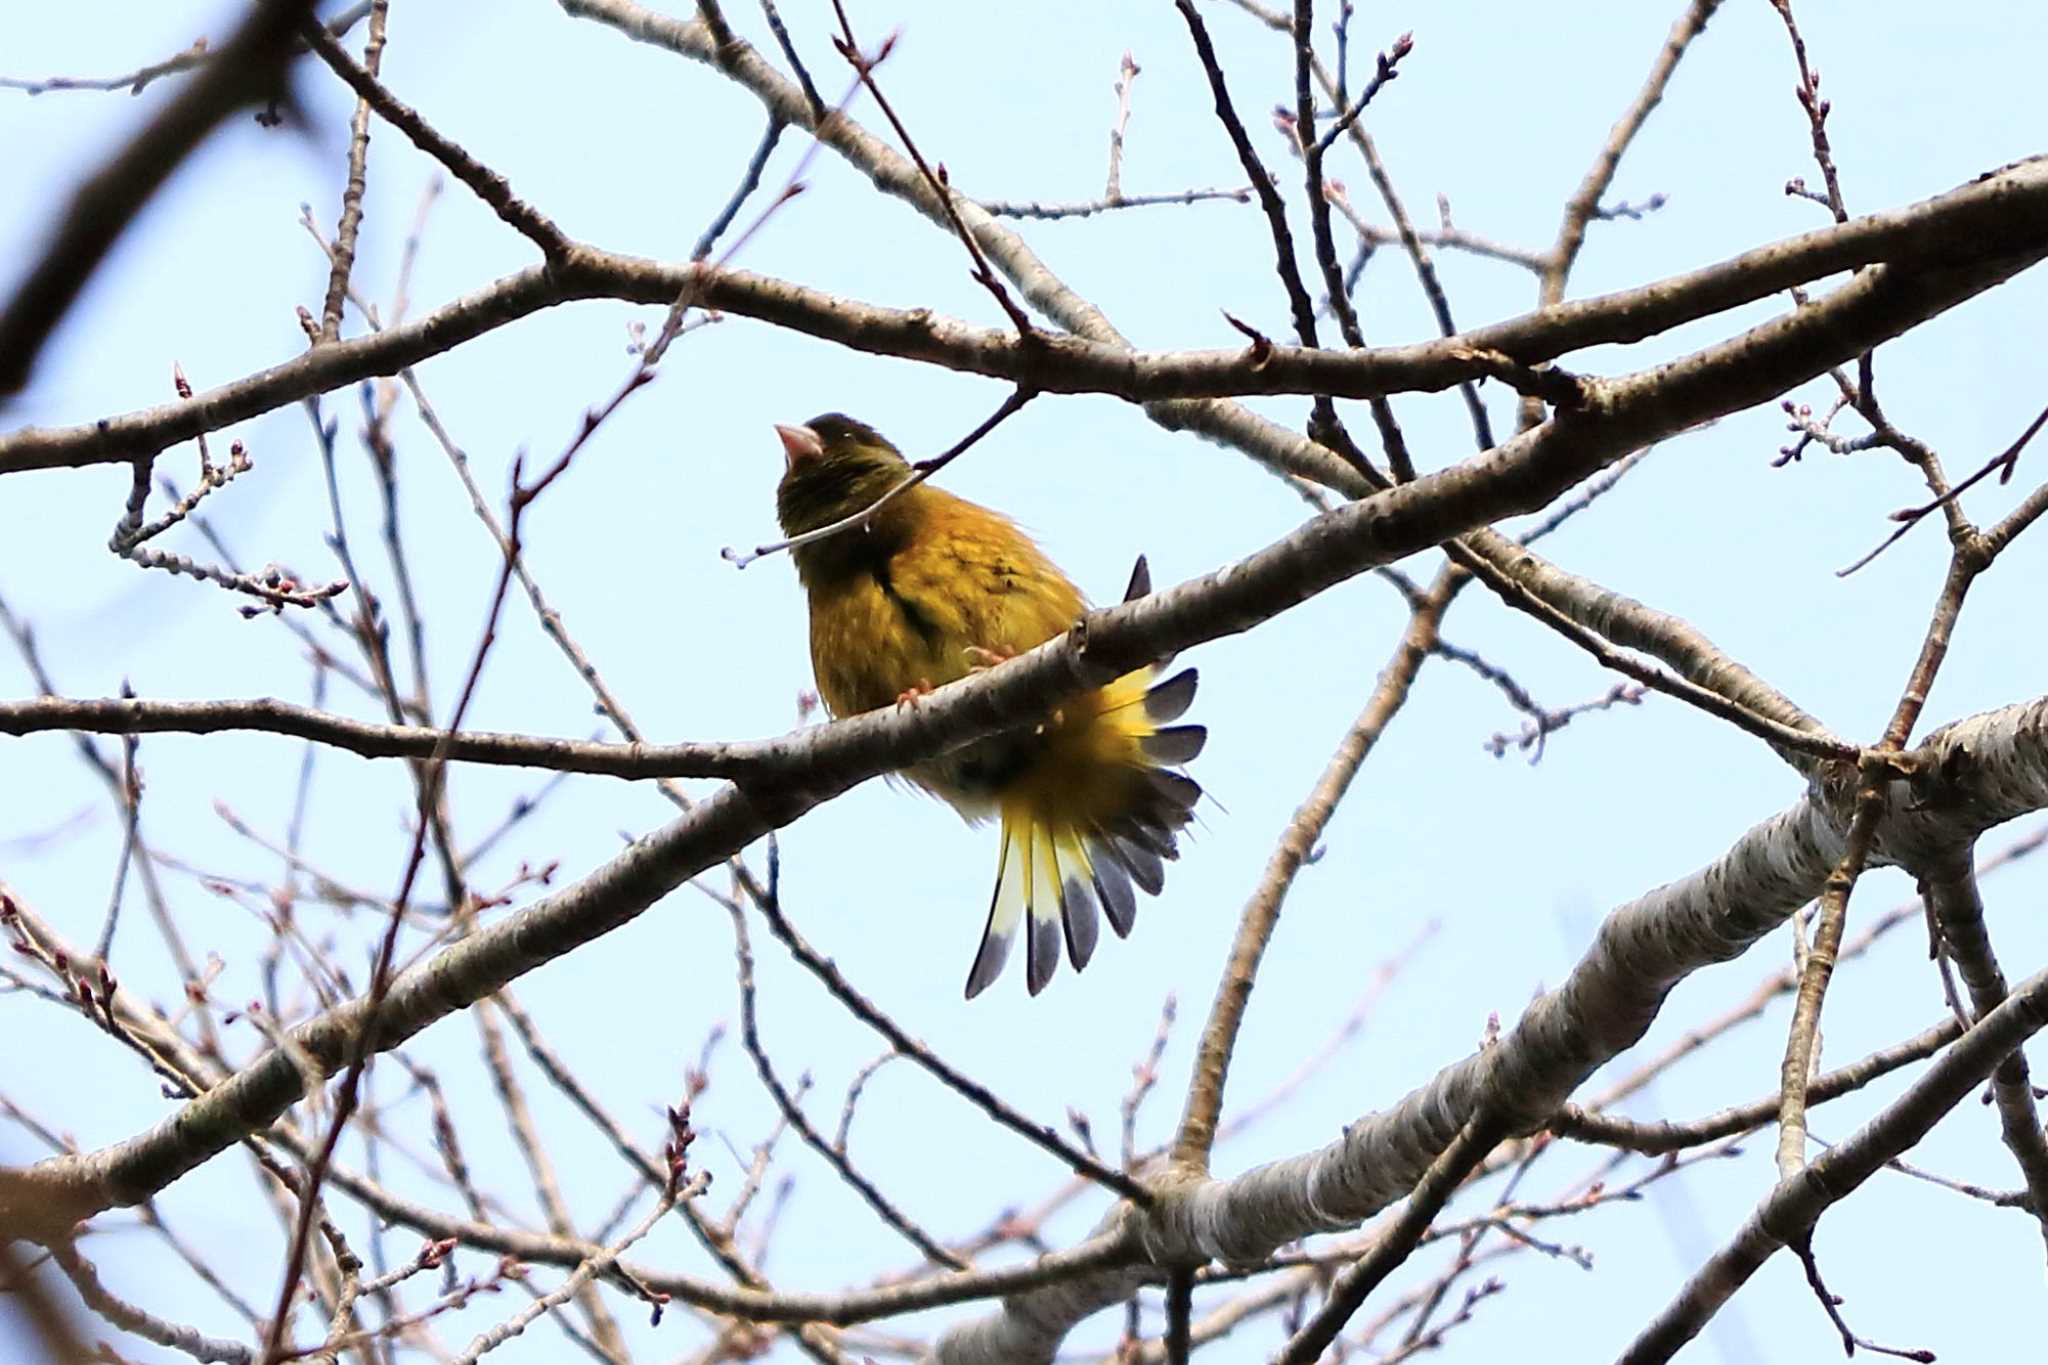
(849, 48)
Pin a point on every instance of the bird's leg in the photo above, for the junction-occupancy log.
(911, 695)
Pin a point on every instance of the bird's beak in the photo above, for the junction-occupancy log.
(798, 444)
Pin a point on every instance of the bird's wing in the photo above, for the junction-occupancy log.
(982, 582)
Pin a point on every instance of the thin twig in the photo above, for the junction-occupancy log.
(936, 181)
(487, 184)
(919, 472)
(1874, 771)
(750, 180)
(1126, 77)
(1195, 1138)
(834, 1154)
(360, 1048)
(1302, 307)
(2003, 464)
(1394, 1245)
(1015, 208)
(796, 64)
(352, 194)
(1040, 1135)
(130, 800)
(1655, 1139)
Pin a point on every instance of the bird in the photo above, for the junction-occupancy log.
(930, 588)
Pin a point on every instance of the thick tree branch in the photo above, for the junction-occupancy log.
(752, 1299)
(779, 779)
(1787, 1215)
(1987, 231)
(1348, 1290)
(1605, 1005)
(1958, 909)
(1519, 476)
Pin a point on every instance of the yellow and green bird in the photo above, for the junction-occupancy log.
(933, 587)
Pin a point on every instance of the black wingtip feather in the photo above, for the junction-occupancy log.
(1141, 581)
(1113, 887)
(1078, 919)
(1170, 700)
(1147, 868)
(1041, 950)
(1125, 855)
(1177, 790)
(988, 962)
(1145, 833)
(1175, 745)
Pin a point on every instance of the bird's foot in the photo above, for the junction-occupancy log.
(980, 660)
(910, 696)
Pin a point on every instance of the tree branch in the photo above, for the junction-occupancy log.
(1788, 1213)
(1604, 1005)
(248, 67)
(1975, 237)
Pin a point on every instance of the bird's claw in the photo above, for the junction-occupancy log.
(910, 696)
(980, 660)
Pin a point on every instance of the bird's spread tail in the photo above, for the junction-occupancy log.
(1096, 826)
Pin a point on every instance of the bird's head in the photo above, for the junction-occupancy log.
(834, 467)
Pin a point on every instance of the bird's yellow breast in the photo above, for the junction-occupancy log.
(862, 652)
(962, 584)
(962, 588)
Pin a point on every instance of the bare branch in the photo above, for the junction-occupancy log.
(487, 184)
(2003, 216)
(249, 69)
(1788, 1213)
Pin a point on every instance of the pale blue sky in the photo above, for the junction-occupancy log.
(633, 150)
